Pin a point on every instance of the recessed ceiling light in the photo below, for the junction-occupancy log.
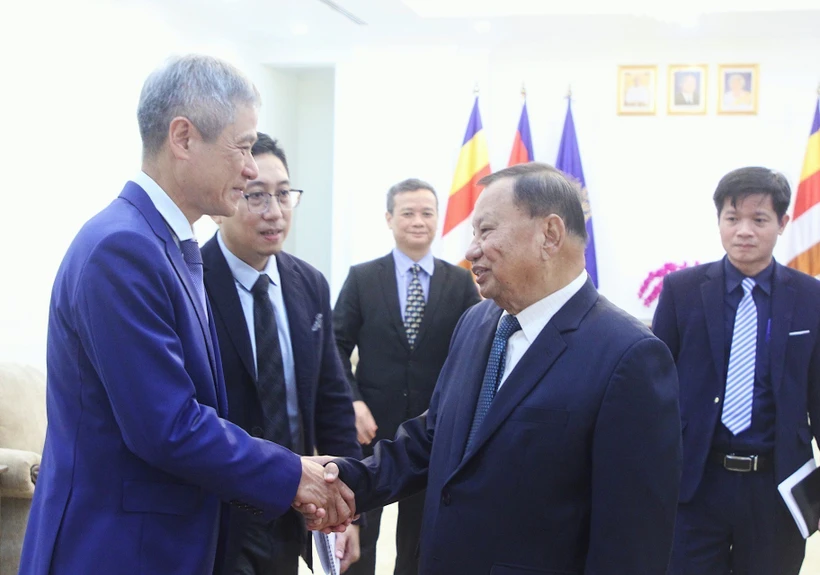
(482, 26)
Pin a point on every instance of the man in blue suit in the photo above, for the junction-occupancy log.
(743, 332)
(552, 442)
(244, 262)
(138, 458)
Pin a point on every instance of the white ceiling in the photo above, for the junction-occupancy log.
(310, 32)
(496, 8)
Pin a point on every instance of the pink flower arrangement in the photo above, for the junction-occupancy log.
(649, 295)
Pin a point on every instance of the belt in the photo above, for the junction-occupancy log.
(741, 463)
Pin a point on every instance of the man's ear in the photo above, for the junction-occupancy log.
(180, 133)
(783, 223)
(554, 234)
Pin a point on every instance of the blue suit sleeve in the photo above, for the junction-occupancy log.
(127, 323)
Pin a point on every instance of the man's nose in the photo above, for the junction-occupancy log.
(250, 170)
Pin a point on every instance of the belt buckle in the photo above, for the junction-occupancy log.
(740, 463)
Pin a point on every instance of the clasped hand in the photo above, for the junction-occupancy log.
(327, 504)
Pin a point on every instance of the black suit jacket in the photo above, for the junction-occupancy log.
(328, 422)
(394, 381)
(574, 470)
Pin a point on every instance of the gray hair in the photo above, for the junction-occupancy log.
(408, 185)
(202, 89)
(542, 190)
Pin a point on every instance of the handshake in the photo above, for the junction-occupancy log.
(327, 504)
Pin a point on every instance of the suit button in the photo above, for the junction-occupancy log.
(256, 431)
(717, 400)
(445, 498)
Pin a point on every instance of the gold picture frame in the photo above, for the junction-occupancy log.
(637, 90)
(687, 89)
(738, 88)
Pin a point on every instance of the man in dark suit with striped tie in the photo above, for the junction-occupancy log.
(400, 310)
(743, 332)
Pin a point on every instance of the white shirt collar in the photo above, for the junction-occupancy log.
(245, 274)
(166, 207)
(405, 262)
(534, 318)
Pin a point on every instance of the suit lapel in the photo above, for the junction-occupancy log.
(479, 342)
(390, 290)
(137, 196)
(225, 300)
(534, 364)
(300, 320)
(712, 292)
(783, 299)
(437, 282)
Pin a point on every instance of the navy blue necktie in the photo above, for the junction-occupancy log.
(193, 259)
(270, 370)
(494, 372)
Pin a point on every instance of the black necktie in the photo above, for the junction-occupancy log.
(270, 371)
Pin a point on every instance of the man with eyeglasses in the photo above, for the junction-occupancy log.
(283, 375)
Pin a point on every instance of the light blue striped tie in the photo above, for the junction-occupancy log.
(740, 379)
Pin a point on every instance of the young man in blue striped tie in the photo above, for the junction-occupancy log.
(743, 332)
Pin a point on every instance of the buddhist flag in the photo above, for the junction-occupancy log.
(569, 162)
(473, 164)
(522, 144)
(805, 225)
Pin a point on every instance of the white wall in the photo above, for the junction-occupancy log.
(72, 76)
(402, 112)
(72, 80)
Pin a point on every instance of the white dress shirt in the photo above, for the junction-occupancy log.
(533, 319)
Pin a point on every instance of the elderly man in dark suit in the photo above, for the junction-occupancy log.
(744, 334)
(552, 442)
(400, 310)
(284, 380)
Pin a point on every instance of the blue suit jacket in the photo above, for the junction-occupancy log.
(575, 468)
(325, 403)
(137, 458)
(690, 320)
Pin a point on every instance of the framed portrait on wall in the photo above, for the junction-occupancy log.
(637, 89)
(687, 89)
(737, 88)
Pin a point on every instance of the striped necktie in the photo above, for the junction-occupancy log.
(740, 378)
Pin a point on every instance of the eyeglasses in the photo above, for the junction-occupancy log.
(259, 202)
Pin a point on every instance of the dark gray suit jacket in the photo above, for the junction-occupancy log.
(394, 381)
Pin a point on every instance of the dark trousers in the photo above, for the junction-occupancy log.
(268, 549)
(408, 530)
(736, 524)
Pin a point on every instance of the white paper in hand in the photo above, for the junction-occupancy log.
(326, 550)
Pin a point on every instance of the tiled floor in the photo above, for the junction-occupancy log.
(386, 552)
